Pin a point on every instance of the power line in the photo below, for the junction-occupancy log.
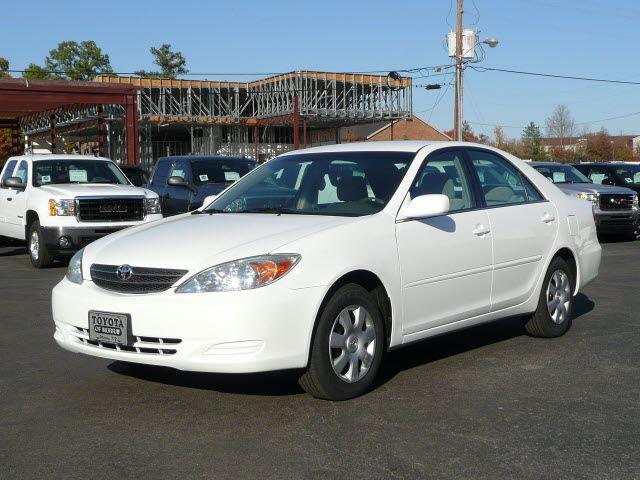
(553, 75)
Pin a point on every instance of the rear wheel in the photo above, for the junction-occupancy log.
(347, 347)
(38, 251)
(555, 306)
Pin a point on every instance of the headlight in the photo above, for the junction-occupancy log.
(151, 206)
(243, 274)
(590, 197)
(74, 271)
(59, 208)
(635, 200)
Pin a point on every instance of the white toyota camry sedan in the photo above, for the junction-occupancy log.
(324, 259)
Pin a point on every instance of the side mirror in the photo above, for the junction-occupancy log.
(176, 181)
(14, 182)
(208, 200)
(427, 206)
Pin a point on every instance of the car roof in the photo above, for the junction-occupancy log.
(205, 157)
(385, 146)
(542, 164)
(37, 157)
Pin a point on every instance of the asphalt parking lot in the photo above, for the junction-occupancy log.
(488, 402)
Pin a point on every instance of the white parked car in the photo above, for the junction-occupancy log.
(323, 259)
(60, 203)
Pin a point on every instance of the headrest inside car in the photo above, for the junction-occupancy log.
(351, 189)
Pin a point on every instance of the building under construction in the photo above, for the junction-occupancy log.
(258, 119)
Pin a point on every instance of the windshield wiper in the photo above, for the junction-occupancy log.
(276, 210)
(210, 211)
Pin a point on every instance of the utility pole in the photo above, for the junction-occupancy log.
(457, 107)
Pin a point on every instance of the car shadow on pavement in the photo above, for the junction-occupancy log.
(13, 250)
(263, 384)
(284, 383)
(450, 344)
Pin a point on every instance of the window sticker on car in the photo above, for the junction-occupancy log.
(597, 177)
(177, 173)
(77, 175)
(231, 176)
(45, 179)
(204, 178)
(558, 177)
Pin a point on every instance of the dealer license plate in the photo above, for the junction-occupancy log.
(109, 327)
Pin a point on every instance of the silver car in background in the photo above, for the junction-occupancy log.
(615, 209)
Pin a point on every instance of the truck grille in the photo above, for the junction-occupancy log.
(610, 201)
(113, 209)
(141, 279)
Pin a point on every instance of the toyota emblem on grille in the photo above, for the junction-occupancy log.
(124, 272)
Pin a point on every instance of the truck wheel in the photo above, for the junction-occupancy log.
(38, 251)
(347, 347)
(555, 306)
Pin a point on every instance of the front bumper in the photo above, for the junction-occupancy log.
(229, 332)
(616, 223)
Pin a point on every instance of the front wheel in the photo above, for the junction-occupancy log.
(555, 306)
(347, 347)
(38, 252)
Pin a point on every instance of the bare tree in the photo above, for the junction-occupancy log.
(561, 124)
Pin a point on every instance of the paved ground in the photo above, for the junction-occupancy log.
(484, 403)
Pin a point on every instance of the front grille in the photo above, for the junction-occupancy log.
(142, 279)
(112, 209)
(143, 345)
(617, 201)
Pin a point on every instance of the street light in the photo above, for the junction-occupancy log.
(492, 42)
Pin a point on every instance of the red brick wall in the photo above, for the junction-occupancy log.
(414, 129)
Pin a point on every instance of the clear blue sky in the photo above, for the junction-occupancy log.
(588, 37)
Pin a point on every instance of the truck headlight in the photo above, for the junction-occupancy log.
(635, 201)
(74, 270)
(590, 197)
(243, 274)
(61, 208)
(152, 206)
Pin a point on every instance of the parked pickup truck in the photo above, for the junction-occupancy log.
(60, 203)
(615, 209)
(184, 182)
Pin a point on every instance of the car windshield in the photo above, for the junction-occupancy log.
(341, 184)
(46, 172)
(562, 173)
(630, 174)
(226, 170)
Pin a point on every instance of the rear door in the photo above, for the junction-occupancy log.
(523, 225)
(17, 206)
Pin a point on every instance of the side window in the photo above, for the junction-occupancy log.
(501, 182)
(180, 169)
(443, 173)
(22, 171)
(161, 173)
(11, 164)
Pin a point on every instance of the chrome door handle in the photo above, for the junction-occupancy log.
(548, 218)
(480, 230)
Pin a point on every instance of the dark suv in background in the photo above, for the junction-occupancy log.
(182, 183)
(620, 174)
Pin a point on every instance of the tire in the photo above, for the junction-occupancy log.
(550, 321)
(38, 252)
(351, 319)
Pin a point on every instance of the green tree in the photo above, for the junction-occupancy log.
(72, 61)
(531, 136)
(4, 67)
(171, 63)
(36, 71)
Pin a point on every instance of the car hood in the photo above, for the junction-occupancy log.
(71, 190)
(193, 242)
(575, 188)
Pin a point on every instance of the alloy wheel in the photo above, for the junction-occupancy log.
(34, 245)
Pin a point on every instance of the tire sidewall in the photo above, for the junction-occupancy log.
(320, 361)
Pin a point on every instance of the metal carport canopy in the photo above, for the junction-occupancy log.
(23, 99)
